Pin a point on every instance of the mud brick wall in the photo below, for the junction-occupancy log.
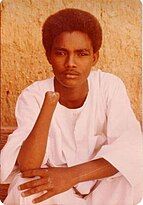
(23, 59)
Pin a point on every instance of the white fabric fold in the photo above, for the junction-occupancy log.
(106, 128)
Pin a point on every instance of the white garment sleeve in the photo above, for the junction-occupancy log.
(124, 148)
(27, 110)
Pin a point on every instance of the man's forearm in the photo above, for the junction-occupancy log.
(96, 169)
(33, 149)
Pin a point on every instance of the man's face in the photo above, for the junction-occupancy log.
(72, 58)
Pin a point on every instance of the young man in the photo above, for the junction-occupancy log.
(78, 141)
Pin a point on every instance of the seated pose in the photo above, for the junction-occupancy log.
(78, 141)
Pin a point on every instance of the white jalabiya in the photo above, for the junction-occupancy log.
(104, 127)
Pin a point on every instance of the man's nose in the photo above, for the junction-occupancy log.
(70, 61)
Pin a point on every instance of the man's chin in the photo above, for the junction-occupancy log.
(69, 83)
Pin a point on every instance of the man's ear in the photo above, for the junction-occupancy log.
(95, 57)
(48, 57)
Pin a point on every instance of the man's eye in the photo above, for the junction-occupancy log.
(83, 54)
(60, 53)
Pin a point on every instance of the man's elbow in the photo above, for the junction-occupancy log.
(25, 165)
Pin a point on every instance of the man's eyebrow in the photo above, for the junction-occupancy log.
(60, 48)
(83, 49)
(77, 50)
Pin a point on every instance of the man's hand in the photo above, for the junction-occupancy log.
(54, 180)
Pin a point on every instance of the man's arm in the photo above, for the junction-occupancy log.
(33, 148)
(56, 180)
(96, 169)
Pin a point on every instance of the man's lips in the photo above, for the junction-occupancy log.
(71, 74)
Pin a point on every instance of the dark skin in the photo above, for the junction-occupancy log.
(71, 65)
(71, 57)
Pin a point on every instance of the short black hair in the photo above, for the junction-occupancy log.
(70, 20)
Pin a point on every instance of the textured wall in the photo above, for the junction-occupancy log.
(23, 59)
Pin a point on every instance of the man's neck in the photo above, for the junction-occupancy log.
(72, 97)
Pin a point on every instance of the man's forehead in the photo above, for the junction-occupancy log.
(76, 37)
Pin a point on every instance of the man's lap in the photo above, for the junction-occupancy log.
(14, 195)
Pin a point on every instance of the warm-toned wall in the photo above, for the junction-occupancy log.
(23, 59)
